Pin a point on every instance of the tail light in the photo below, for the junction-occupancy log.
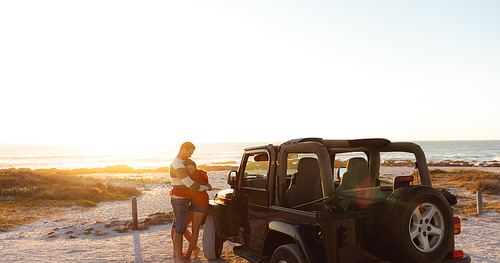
(401, 181)
(457, 226)
(456, 254)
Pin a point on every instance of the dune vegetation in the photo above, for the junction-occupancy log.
(216, 166)
(27, 195)
(107, 169)
(470, 181)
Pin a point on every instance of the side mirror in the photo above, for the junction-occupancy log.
(231, 178)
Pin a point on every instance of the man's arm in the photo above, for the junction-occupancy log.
(184, 178)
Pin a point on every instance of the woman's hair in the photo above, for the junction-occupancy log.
(189, 162)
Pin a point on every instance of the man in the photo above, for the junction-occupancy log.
(181, 181)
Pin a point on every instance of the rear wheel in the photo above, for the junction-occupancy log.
(427, 227)
(212, 243)
(289, 253)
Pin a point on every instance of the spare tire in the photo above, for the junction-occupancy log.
(416, 225)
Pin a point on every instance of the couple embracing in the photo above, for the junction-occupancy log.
(189, 201)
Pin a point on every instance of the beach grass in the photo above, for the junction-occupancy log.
(27, 195)
(468, 179)
(123, 169)
(469, 208)
(107, 169)
(471, 181)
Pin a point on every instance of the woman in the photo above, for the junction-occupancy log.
(197, 208)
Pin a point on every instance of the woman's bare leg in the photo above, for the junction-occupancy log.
(197, 219)
(187, 234)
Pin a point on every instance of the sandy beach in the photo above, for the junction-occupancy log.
(89, 235)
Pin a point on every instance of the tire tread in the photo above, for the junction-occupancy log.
(210, 249)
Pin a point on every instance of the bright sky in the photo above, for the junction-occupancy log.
(149, 72)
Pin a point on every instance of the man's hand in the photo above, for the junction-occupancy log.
(209, 187)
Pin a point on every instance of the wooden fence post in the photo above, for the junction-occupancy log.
(134, 214)
(479, 197)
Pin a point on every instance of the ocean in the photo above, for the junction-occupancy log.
(37, 156)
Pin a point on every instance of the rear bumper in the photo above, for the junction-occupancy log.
(465, 259)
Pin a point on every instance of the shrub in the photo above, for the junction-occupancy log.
(470, 207)
(26, 184)
(47, 194)
(491, 186)
(437, 171)
(85, 203)
(471, 174)
(96, 191)
(32, 192)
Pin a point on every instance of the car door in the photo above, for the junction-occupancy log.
(253, 197)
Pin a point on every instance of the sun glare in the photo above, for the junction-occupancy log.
(120, 148)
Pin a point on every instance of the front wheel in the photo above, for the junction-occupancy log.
(289, 253)
(212, 243)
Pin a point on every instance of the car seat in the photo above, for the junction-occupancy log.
(305, 185)
(356, 176)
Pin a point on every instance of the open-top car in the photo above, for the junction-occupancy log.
(318, 200)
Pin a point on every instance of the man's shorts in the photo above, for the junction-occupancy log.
(180, 207)
(196, 208)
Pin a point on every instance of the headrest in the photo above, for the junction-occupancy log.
(357, 165)
(307, 163)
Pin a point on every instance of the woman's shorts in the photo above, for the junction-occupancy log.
(196, 208)
(180, 207)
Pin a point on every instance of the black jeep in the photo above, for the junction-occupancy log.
(316, 200)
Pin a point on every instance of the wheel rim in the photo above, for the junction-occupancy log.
(426, 227)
